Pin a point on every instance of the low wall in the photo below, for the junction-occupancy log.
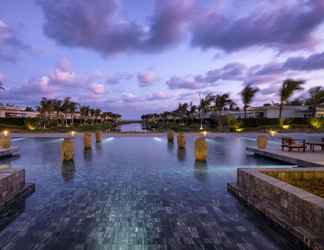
(11, 183)
(298, 212)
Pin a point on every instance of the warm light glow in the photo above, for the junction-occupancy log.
(72, 133)
(285, 126)
(316, 123)
(239, 130)
(273, 132)
(201, 127)
(5, 132)
(204, 133)
(31, 127)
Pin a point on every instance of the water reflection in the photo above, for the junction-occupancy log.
(170, 146)
(68, 170)
(99, 148)
(87, 154)
(11, 213)
(181, 154)
(201, 171)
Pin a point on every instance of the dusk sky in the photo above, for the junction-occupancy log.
(135, 57)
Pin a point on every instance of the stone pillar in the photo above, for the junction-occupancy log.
(5, 140)
(201, 149)
(170, 136)
(68, 149)
(181, 140)
(98, 136)
(262, 141)
(87, 141)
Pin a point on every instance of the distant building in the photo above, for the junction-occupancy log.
(320, 112)
(271, 112)
(16, 112)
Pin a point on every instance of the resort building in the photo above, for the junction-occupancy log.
(272, 112)
(17, 112)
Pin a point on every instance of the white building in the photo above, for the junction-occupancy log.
(272, 112)
(17, 112)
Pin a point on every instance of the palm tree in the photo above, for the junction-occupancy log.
(97, 113)
(289, 87)
(69, 107)
(204, 106)
(57, 108)
(45, 109)
(247, 95)
(220, 102)
(316, 99)
(84, 112)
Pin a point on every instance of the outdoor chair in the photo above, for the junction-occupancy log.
(291, 144)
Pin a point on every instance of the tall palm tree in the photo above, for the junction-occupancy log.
(45, 109)
(73, 106)
(97, 113)
(289, 87)
(316, 99)
(57, 108)
(204, 107)
(84, 112)
(220, 102)
(247, 95)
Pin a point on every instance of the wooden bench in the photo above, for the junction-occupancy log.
(291, 144)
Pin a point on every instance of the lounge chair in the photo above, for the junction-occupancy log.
(291, 144)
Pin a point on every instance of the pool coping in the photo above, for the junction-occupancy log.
(304, 238)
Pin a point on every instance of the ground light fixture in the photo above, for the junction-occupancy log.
(286, 126)
(5, 132)
(239, 130)
(273, 132)
(72, 133)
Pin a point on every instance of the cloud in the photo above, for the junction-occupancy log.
(158, 96)
(10, 45)
(286, 25)
(147, 78)
(268, 71)
(98, 25)
(185, 83)
(63, 73)
(98, 88)
(232, 71)
(117, 78)
(2, 77)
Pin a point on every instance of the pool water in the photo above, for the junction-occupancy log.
(135, 193)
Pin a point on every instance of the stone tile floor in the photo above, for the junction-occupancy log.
(135, 193)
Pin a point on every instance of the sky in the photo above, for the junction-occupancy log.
(136, 57)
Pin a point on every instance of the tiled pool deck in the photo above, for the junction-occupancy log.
(303, 159)
(110, 199)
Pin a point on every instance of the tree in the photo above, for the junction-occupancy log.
(247, 95)
(289, 87)
(45, 108)
(57, 108)
(316, 99)
(220, 102)
(84, 112)
(97, 113)
(204, 106)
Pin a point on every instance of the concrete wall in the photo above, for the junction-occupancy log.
(11, 183)
(301, 212)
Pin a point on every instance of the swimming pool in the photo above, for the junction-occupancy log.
(135, 193)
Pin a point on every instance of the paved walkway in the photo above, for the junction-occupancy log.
(307, 159)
